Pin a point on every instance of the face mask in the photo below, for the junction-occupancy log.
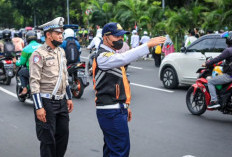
(56, 43)
(117, 44)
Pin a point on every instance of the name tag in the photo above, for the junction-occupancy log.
(49, 58)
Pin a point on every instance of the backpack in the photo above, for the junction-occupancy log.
(9, 49)
(71, 51)
(158, 50)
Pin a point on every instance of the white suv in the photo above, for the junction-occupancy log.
(180, 67)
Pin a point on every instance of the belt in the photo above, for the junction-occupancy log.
(114, 106)
(50, 96)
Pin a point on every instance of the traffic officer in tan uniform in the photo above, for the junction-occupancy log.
(113, 89)
(51, 93)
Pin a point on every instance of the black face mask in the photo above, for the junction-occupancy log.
(117, 44)
(56, 43)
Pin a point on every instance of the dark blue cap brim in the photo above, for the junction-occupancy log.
(121, 33)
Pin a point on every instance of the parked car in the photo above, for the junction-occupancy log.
(180, 68)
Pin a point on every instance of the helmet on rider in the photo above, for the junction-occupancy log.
(16, 34)
(228, 38)
(6, 34)
(68, 33)
(31, 35)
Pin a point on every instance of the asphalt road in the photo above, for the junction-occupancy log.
(161, 124)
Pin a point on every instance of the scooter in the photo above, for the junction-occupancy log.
(77, 79)
(19, 87)
(6, 70)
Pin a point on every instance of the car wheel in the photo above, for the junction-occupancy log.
(169, 78)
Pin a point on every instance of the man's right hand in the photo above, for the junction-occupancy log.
(41, 115)
(156, 41)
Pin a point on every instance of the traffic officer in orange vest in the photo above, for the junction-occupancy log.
(50, 91)
(113, 90)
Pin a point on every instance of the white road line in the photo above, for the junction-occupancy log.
(134, 67)
(149, 87)
(84, 57)
(8, 92)
(12, 94)
(188, 156)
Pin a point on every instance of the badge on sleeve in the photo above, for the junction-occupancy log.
(108, 54)
(36, 58)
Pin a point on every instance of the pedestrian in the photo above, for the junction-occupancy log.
(144, 39)
(156, 53)
(134, 39)
(71, 46)
(91, 35)
(50, 91)
(191, 38)
(168, 46)
(113, 89)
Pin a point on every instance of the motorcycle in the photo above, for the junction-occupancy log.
(198, 96)
(77, 79)
(6, 70)
(19, 87)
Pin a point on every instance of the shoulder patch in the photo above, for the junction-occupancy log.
(36, 58)
(108, 54)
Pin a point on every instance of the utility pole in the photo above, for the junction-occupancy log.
(163, 4)
(34, 19)
(68, 11)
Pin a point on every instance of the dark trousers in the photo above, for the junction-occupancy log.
(24, 76)
(53, 135)
(114, 125)
(157, 59)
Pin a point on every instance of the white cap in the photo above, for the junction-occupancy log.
(134, 32)
(145, 33)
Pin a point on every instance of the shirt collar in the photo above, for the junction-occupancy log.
(48, 48)
(107, 48)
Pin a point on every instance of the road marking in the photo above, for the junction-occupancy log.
(12, 94)
(149, 87)
(84, 57)
(135, 67)
(188, 156)
(8, 92)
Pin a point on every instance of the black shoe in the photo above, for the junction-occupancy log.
(213, 104)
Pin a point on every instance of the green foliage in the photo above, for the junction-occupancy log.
(176, 19)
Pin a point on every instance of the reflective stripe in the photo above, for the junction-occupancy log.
(117, 70)
(114, 73)
(100, 77)
(37, 101)
(60, 75)
(126, 86)
(98, 74)
(114, 106)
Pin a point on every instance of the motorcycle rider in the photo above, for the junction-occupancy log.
(227, 70)
(69, 40)
(31, 38)
(6, 37)
(18, 42)
(95, 43)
